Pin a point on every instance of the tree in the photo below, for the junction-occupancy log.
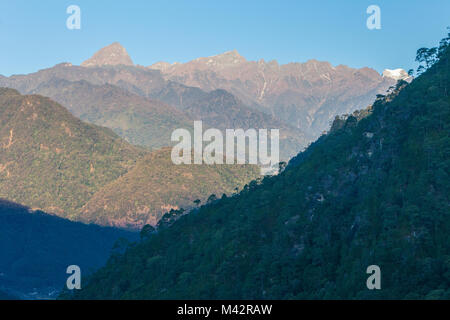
(380, 97)
(281, 166)
(170, 217)
(120, 246)
(443, 44)
(146, 231)
(212, 198)
(427, 56)
(197, 202)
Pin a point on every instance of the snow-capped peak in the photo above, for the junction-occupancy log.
(396, 74)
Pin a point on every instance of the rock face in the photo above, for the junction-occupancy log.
(113, 55)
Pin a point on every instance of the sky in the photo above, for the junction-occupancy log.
(34, 36)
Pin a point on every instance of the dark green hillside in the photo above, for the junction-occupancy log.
(376, 190)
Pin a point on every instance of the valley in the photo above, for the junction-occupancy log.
(88, 178)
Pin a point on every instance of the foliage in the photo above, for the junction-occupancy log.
(155, 186)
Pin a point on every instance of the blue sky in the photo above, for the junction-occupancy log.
(33, 35)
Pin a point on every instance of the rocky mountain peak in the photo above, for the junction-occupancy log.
(226, 59)
(114, 54)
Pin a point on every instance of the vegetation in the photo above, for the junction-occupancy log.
(156, 185)
(375, 190)
(51, 160)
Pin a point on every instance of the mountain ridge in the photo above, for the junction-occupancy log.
(139, 120)
(296, 93)
(305, 96)
(151, 85)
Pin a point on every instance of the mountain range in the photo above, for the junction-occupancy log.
(305, 95)
(373, 191)
(300, 99)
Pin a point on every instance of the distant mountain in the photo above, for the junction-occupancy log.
(300, 99)
(148, 125)
(36, 249)
(373, 191)
(139, 120)
(137, 80)
(112, 55)
(222, 110)
(305, 95)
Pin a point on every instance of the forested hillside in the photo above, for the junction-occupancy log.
(156, 185)
(53, 161)
(374, 191)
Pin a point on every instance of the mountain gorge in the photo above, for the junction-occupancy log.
(373, 191)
